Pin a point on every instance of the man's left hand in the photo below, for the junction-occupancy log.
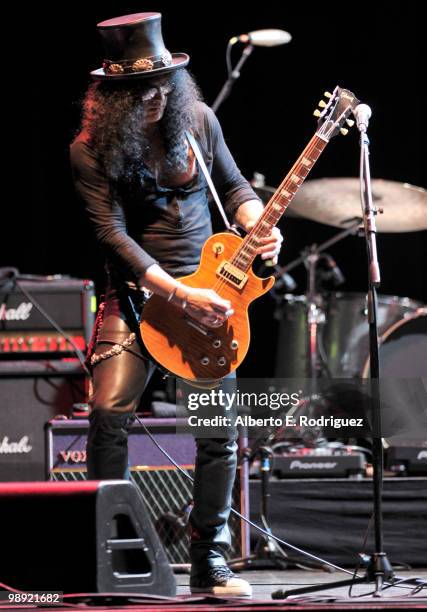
(269, 246)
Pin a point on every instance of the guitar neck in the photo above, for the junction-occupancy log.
(276, 207)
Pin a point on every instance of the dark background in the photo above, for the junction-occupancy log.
(371, 48)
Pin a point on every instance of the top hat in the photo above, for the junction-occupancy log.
(134, 48)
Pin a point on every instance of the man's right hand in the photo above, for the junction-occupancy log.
(205, 305)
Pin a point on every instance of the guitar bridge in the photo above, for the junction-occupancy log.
(232, 274)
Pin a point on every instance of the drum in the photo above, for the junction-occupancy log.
(343, 336)
(291, 356)
(403, 348)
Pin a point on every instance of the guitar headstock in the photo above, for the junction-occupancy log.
(341, 103)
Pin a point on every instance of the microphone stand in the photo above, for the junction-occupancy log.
(232, 78)
(378, 569)
(377, 566)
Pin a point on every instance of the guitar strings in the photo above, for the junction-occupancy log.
(259, 230)
(266, 216)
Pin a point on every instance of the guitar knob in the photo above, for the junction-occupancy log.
(322, 104)
(344, 131)
(234, 345)
(221, 361)
(205, 361)
(327, 94)
(349, 122)
(218, 248)
(317, 113)
(216, 343)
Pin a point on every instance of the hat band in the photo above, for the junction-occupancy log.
(144, 64)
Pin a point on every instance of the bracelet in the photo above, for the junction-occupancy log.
(172, 293)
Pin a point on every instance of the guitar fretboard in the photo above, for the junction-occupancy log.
(275, 208)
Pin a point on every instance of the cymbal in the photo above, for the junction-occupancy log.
(335, 201)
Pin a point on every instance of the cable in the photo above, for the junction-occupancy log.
(55, 325)
(365, 540)
(235, 512)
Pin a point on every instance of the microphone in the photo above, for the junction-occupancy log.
(362, 114)
(337, 276)
(283, 280)
(263, 38)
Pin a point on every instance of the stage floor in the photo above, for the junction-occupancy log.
(264, 583)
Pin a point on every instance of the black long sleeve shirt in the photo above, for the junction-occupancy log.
(141, 223)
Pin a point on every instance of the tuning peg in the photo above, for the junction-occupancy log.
(322, 104)
(317, 113)
(327, 94)
(349, 122)
(344, 131)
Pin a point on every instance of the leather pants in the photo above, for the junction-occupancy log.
(118, 383)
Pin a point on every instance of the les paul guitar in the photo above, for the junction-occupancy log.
(193, 351)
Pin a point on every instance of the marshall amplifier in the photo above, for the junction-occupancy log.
(32, 393)
(167, 493)
(25, 333)
(312, 464)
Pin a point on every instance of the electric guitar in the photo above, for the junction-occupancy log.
(192, 351)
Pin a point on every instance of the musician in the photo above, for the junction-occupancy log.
(147, 201)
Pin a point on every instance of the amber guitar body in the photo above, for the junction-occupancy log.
(185, 347)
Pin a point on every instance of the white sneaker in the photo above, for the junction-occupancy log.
(220, 580)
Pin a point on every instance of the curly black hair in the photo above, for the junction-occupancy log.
(112, 118)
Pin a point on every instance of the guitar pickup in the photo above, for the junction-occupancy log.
(232, 274)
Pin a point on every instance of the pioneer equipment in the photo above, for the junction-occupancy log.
(25, 333)
(80, 537)
(166, 491)
(312, 463)
(407, 457)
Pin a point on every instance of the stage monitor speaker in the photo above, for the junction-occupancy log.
(80, 537)
(166, 491)
(32, 393)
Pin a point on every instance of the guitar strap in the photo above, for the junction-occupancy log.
(199, 157)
